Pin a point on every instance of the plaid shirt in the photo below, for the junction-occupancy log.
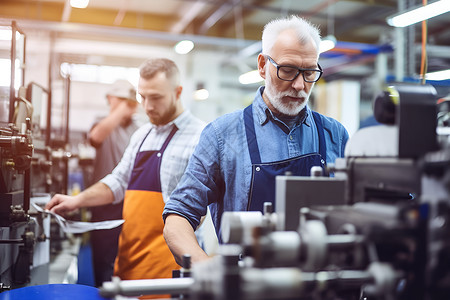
(174, 160)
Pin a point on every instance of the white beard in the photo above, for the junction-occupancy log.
(291, 108)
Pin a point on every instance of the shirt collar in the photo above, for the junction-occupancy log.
(264, 114)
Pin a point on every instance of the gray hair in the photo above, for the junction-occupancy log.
(303, 28)
(153, 66)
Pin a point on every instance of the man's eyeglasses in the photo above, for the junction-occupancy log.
(290, 73)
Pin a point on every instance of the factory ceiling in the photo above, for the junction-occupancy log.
(359, 26)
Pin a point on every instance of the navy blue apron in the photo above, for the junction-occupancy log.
(262, 187)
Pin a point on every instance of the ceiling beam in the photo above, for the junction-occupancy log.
(121, 13)
(96, 31)
(188, 17)
(66, 11)
(218, 14)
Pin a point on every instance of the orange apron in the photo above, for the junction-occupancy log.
(143, 252)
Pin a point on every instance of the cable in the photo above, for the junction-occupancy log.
(424, 59)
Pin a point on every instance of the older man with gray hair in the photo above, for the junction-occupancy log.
(233, 167)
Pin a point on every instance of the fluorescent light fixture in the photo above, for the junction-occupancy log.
(184, 47)
(5, 75)
(250, 77)
(64, 69)
(201, 94)
(419, 14)
(79, 3)
(440, 75)
(327, 43)
(5, 34)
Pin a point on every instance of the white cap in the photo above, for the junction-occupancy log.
(122, 89)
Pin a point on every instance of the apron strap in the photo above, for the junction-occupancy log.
(166, 142)
(322, 145)
(171, 134)
(251, 136)
(148, 163)
(145, 137)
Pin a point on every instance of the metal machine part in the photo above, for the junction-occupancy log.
(381, 179)
(306, 191)
(23, 234)
(282, 265)
(237, 227)
(378, 230)
(34, 162)
(146, 287)
(221, 279)
(404, 105)
(16, 149)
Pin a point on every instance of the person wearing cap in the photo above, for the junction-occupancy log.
(110, 136)
(150, 168)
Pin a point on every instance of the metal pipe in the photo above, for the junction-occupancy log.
(58, 27)
(12, 241)
(146, 287)
(343, 241)
(12, 93)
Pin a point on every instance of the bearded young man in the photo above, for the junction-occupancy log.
(150, 168)
(233, 167)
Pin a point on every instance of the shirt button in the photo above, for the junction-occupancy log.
(159, 154)
(257, 169)
(291, 137)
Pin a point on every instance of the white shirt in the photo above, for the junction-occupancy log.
(174, 160)
(374, 141)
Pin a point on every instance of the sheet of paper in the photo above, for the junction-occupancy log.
(79, 227)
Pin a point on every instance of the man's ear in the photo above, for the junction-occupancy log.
(178, 91)
(262, 65)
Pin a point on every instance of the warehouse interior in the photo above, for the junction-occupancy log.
(72, 55)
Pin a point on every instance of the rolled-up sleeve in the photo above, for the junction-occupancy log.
(201, 184)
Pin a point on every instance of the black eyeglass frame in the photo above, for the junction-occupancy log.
(299, 70)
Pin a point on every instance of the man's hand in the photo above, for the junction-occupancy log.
(95, 195)
(120, 115)
(125, 109)
(62, 204)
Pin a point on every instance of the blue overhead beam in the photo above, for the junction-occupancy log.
(350, 48)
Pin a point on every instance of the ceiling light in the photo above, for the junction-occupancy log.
(184, 47)
(327, 43)
(419, 14)
(79, 3)
(201, 94)
(250, 77)
(5, 34)
(440, 75)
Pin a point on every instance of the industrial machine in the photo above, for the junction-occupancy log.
(377, 229)
(31, 168)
